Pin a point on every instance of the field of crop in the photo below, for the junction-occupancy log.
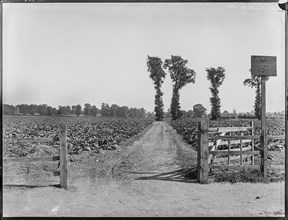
(83, 134)
(188, 129)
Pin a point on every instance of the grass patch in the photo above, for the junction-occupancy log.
(252, 176)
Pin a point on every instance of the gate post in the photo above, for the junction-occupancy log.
(203, 153)
(63, 155)
(252, 141)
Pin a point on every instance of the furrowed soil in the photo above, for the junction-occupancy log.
(146, 177)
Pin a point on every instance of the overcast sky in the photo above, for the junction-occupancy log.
(68, 54)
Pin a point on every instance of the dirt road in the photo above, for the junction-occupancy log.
(147, 178)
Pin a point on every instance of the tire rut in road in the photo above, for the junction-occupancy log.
(155, 152)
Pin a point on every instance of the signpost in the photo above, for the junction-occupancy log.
(263, 66)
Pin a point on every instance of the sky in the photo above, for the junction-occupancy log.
(68, 54)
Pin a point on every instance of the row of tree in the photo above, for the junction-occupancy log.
(88, 110)
(123, 111)
(198, 111)
(181, 75)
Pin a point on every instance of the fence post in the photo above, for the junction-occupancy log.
(252, 141)
(63, 155)
(203, 153)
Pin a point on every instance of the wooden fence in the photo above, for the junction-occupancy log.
(62, 157)
(206, 155)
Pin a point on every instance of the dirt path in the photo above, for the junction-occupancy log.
(147, 179)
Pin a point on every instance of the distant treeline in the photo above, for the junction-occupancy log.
(77, 110)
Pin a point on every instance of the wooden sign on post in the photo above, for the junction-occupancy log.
(263, 66)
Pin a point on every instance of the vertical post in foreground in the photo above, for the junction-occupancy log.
(263, 128)
(203, 153)
(241, 150)
(63, 155)
(229, 149)
(252, 141)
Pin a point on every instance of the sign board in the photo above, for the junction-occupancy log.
(263, 66)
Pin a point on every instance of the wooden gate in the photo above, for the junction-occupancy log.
(206, 155)
(62, 158)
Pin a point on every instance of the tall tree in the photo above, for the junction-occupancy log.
(216, 77)
(8, 109)
(124, 110)
(87, 109)
(60, 110)
(181, 76)
(255, 82)
(73, 110)
(42, 109)
(113, 110)
(199, 111)
(157, 74)
(68, 109)
(105, 110)
(49, 110)
(78, 109)
(94, 110)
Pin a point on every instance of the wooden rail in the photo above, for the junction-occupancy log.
(28, 140)
(233, 152)
(204, 161)
(226, 142)
(54, 173)
(238, 167)
(229, 129)
(237, 137)
(63, 173)
(31, 159)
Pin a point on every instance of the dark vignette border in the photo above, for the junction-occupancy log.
(127, 1)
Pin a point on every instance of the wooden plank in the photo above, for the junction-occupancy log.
(27, 140)
(278, 137)
(19, 176)
(63, 155)
(228, 129)
(227, 142)
(227, 137)
(233, 129)
(203, 167)
(238, 167)
(252, 142)
(275, 152)
(23, 140)
(229, 149)
(31, 159)
(233, 158)
(199, 151)
(246, 139)
(248, 148)
(241, 149)
(214, 147)
(238, 152)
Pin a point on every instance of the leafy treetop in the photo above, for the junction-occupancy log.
(179, 73)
